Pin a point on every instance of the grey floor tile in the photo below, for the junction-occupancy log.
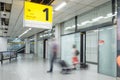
(32, 68)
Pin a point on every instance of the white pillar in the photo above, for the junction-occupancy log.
(3, 44)
(57, 36)
(27, 46)
(35, 44)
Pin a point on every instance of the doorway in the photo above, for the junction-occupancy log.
(32, 47)
(40, 49)
(46, 49)
(101, 49)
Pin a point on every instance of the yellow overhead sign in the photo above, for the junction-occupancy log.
(37, 14)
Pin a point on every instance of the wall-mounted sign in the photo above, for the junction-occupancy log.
(37, 15)
(101, 42)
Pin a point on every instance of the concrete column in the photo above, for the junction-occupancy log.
(3, 44)
(57, 36)
(27, 46)
(35, 44)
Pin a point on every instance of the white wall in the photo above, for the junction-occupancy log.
(3, 44)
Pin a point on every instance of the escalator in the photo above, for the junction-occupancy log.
(21, 50)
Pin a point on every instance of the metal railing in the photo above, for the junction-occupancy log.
(7, 55)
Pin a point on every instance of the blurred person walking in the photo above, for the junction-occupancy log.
(53, 53)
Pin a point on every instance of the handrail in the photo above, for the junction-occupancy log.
(7, 55)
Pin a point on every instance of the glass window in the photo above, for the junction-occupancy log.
(68, 26)
(96, 16)
(92, 46)
(46, 34)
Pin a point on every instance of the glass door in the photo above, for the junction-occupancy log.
(107, 51)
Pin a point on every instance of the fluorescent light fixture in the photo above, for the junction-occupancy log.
(101, 29)
(67, 28)
(109, 15)
(50, 34)
(110, 28)
(96, 19)
(15, 39)
(31, 39)
(73, 26)
(78, 25)
(115, 13)
(60, 6)
(41, 36)
(25, 32)
(95, 30)
(85, 22)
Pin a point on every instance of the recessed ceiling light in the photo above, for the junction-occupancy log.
(60, 6)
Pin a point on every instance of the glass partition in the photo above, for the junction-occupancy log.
(68, 26)
(66, 46)
(107, 51)
(92, 46)
(96, 16)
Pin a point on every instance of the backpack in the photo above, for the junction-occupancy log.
(77, 53)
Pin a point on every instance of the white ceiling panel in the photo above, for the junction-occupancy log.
(73, 8)
(69, 5)
(18, 25)
(20, 31)
(86, 8)
(86, 2)
(64, 13)
(81, 7)
(32, 32)
(6, 1)
(57, 2)
(99, 2)
(66, 16)
(16, 11)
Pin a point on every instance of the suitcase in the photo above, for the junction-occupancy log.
(64, 66)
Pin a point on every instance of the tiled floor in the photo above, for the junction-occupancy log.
(31, 68)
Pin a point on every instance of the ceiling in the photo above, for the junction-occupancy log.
(73, 8)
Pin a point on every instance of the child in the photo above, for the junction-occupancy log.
(75, 58)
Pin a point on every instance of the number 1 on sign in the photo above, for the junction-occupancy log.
(47, 12)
